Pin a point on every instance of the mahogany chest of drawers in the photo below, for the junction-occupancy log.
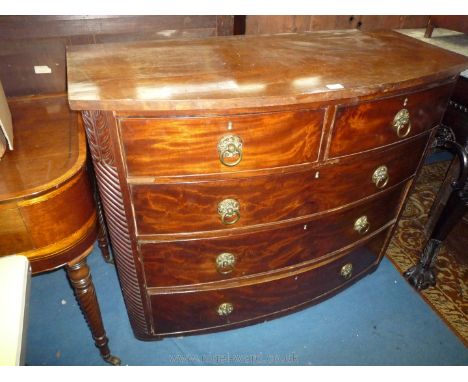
(244, 178)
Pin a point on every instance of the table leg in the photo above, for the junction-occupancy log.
(103, 237)
(80, 278)
(429, 29)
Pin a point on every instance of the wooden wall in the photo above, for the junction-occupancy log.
(456, 23)
(28, 41)
(283, 24)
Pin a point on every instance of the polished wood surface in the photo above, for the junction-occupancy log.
(192, 206)
(369, 124)
(47, 210)
(46, 131)
(46, 201)
(154, 114)
(188, 311)
(237, 72)
(189, 145)
(186, 262)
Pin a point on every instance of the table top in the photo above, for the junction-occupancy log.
(251, 71)
(49, 146)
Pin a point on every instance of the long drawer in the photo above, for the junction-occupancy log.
(200, 145)
(231, 203)
(189, 311)
(186, 262)
(382, 122)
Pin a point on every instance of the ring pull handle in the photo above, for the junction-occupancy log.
(401, 123)
(346, 271)
(225, 263)
(362, 225)
(380, 176)
(229, 211)
(225, 309)
(230, 150)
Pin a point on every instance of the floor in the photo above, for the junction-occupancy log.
(380, 320)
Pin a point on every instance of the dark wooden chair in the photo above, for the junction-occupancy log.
(447, 219)
(455, 23)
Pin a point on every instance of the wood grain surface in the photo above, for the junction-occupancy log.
(192, 206)
(181, 146)
(256, 24)
(187, 262)
(47, 210)
(50, 146)
(191, 311)
(251, 71)
(369, 124)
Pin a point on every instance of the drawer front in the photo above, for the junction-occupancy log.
(379, 123)
(217, 205)
(189, 311)
(183, 146)
(187, 262)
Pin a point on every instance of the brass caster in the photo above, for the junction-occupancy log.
(112, 359)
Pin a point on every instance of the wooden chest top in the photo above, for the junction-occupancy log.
(251, 71)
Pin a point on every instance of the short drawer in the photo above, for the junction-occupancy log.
(189, 311)
(201, 145)
(379, 123)
(188, 262)
(232, 203)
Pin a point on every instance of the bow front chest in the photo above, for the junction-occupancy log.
(244, 178)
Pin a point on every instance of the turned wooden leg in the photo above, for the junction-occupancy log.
(103, 238)
(80, 279)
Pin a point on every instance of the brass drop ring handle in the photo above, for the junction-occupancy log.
(228, 211)
(380, 176)
(230, 150)
(346, 271)
(225, 309)
(225, 263)
(401, 123)
(362, 225)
